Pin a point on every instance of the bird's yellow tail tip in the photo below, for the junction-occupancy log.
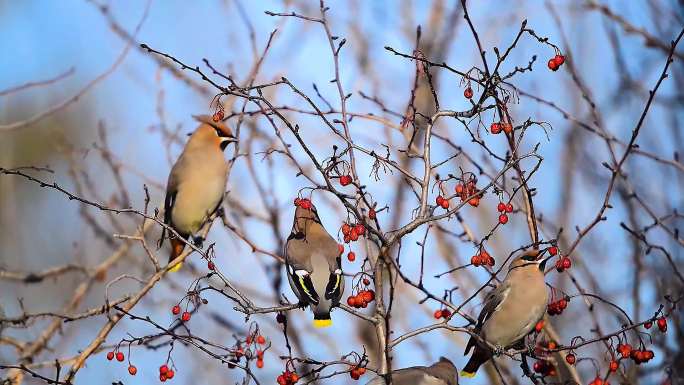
(322, 323)
(467, 374)
(176, 268)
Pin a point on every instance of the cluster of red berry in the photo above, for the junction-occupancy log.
(185, 317)
(165, 373)
(469, 188)
(357, 372)
(497, 127)
(556, 61)
(482, 259)
(661, 322)
(362, 299)
(637, 355)
(303, 203)
(218, 115)
(132, 370)
(544, 367)
(287, 378)
(557, 307)
(352, 232)
(504, 209)
(442, 313)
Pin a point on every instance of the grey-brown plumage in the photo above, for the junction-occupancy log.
(197, 182)
(510, 311)
(442, 372)
(313, 265)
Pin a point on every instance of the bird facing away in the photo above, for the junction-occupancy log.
(196, 183)
(510, 311)
(442, 372)
(313, 265)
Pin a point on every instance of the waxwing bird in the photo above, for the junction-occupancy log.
(313, 264)
(442, 372)
(510, 311)
(197, 182)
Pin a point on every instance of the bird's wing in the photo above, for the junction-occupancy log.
(297, 257)
(169, 200)
(491, 303)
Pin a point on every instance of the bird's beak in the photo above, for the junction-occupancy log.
(542, 262)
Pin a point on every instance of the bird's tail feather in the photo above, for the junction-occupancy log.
(177, 247)
(322, 323)
(479, 357)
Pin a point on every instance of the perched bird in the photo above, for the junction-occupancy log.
(196, 183)
(313, 264)
(510, 311)
(442, 372)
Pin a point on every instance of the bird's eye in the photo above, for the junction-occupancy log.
(218, 132)
(528, 257)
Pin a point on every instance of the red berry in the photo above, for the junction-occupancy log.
(614, 366)
(507, 127)
(446, 313)
(354, 374)
(503, 219)
(552, 65)
(559, 59)
(211, 266)
(648, 324)
(346, 228)
(474, 201)
(366, 281)
(539, 326)
(340, 248)
(360, 229)
(368, 295)
(162, 378)
(132, 370)
(110, 356)
(119, 356)
(345, 180)
(438, 314)
(281, 380)
(175, 310)
(261, 340)
(566, 263)
(468, 93)
(570, 359)
(445, 204)
(354, 235)
(185, 316)
(662, 324)
(439, 200)
(170, 374)
(164, 369)
(509, 208)
(297, 201)
(371, 214)
(305, 204)
(501, 207)
(553, 250)
(475, 260)
(490, 261)
(495, 128)
(459, 188)
(351, 256)
(537, 367)
(351, 301)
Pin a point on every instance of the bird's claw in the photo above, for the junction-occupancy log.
(198, 241)
(498, 350)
